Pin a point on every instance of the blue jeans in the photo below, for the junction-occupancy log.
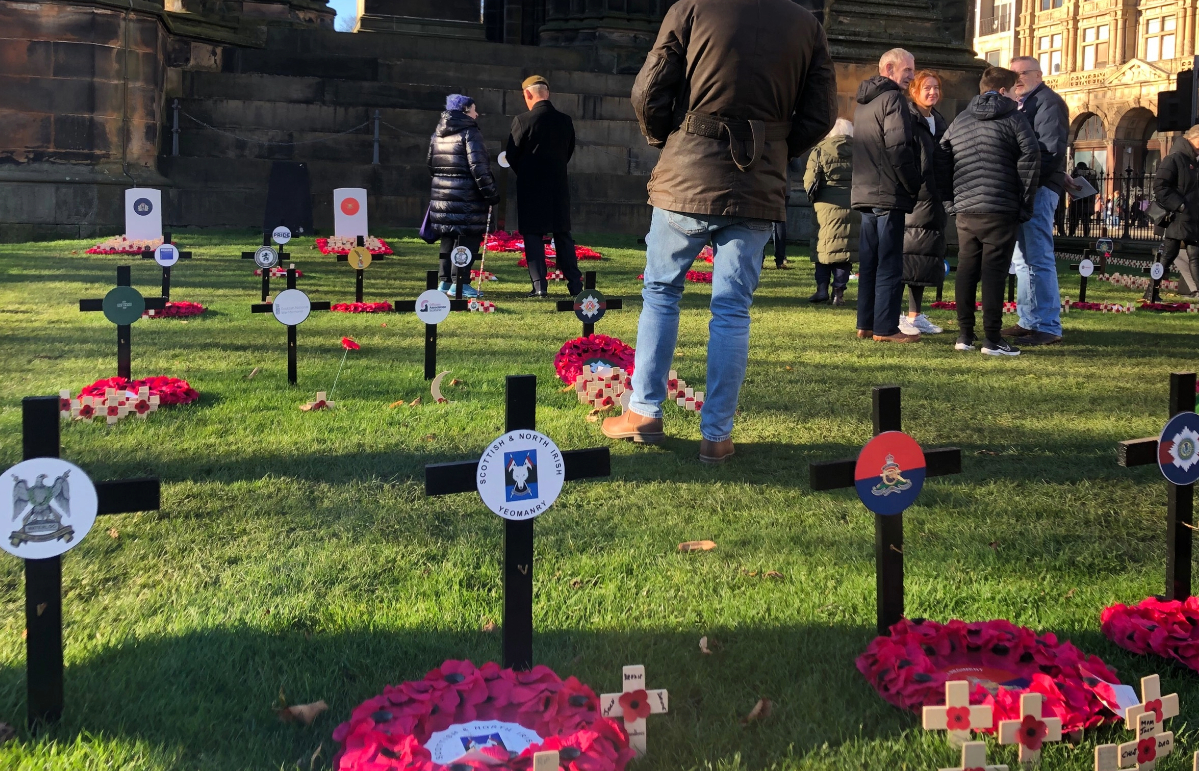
(1037, 300)
(673, 243)
(880, 274)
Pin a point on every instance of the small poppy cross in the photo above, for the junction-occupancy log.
(974, 758)
(957, 716)
(546, 761)
(634, 704)
(1031, 730)
(1152, 702)
(1142, 753)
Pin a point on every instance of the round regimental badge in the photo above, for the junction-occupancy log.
(142, 207)
(266, 257)
(1086, 268)
(460, 257)
(359, 257)
(291, 307)
(1156, 271)
(166, 255)
(590, 306)
(1105, 246)
(1178, 449)
(49, 504)
(281, 235)
(520, 475)
(123, 305)
(889, 472)
(432, 307)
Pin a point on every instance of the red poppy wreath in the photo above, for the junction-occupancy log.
(463, 718)
(1168, 628)
(1001, 661)
(592, 351)
(382, 307)
(169, 390)
(176, 310)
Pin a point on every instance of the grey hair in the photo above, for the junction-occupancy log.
(1031, 59)
(842, 128)
(894, 56)
(1192, 132)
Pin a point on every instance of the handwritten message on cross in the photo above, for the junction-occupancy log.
(957, 717)
(1032, 730)
(123, 306)
(1151, 745)
(634, 704)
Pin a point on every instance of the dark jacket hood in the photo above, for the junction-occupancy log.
(1182, 146)
(873, 88)
(990, 106)
(454, 121)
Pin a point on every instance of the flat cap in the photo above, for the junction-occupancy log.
(534, 80)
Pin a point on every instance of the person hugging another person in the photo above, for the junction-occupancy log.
(463, 189)
(827, 180)
(924, 227)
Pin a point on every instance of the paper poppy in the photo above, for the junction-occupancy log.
(380, 307)
(958, 718)
(1166, 628)
(122, 245)
(1032, 732)
(699, 276)
(592, 349)
(394, 730)
(1146, 750)
(635, 705)
(503, 241)
(349, 344)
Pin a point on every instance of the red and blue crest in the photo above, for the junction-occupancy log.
(890, 472)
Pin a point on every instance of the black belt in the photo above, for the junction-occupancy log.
(739, 131)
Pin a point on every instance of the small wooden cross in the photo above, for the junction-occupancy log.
(124, 310)
(957, 716)
(974, 758)
(409, 306)
(610, 303)
(634, 704)
(1153, 703)
(1150, 746)
(319, 403)
(1032, 730)
(546, 761)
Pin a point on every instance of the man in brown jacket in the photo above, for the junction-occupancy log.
(732, 90)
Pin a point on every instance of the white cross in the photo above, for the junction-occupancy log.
(1023, 731)
(545, 761)
(957, 716)
(634, 688)
(1141, 753)
(1152, 700)
(974, 758)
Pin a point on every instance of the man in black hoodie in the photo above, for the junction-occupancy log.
(996, 166)
(886, 182)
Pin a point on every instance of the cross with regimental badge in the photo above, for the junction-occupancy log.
(432, 307)
(123, 306)
(267, 257)
(634, 704)
(166, 255)
(590, 305)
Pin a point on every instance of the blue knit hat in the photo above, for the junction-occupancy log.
(458, 102)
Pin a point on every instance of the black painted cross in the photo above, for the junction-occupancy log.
(888, 529)
(275, 257)
(166, 269)
(1084, 273)
(573, 305)
(409, 306)
(123, 306)
(449, 478)
(361, 262)
(43, 577)
(1180, 499)
(296, 312)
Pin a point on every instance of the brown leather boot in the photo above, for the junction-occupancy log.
(715, 452)
(630, 425)
(865, 334)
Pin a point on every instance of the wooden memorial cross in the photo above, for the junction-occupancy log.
(123, 306)
(409, 306)
(957, 717)
(1180, 498)
(152, 254)
(547, 760)
(298, 307)
(43, 577)
(633, 704)
(1152, 703)
(888, 529)
(360, 259)
(1032, 730)
(267, 256)
(1142, 753)
(974, 758)
(460, 477)
(593, 309)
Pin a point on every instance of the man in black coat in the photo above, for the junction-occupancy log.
(539, 146)
(1176, 189)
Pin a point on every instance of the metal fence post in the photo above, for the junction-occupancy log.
(175, 128)
(375, 155)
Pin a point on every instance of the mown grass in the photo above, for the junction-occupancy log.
(297, 551)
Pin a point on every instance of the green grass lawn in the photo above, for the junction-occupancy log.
(296, 551)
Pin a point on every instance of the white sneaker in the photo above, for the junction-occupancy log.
(925, 326)
(907, 326)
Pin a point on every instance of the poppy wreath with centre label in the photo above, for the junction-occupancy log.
(909, 669)
(391, 730)
(1167, 628)
(577, 353)
(169, 390)
(343, 245)
(176, 310)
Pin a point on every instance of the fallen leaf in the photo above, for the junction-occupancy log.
(575, 583)
(400, 403)
(383, 324)
(567, 389)
(703, 646)
(415, 403)
(455, 381)
(788, 369)
(112, 533)
(302, 713)
(253, 372)
(429, 437)
(1070, 593)
(7, 733)
(773, 574)
(994, 545)
(24, 634)
(697, 546)
(761, 711)
(490, 626)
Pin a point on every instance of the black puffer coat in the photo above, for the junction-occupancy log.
(886, 158)
(924, 228)
(463, 187)
(1176, 187)
(996, 161)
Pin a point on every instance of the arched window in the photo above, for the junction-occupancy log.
(1091, 130)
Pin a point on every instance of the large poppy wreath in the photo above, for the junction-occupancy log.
(1168, 628)
(1001, 661)
(169, 390)
(463, 718)
(591, 351)
(175, 310)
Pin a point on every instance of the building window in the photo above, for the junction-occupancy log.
(1095, 47)
(1047, 5)
(1159, 38)
(993, 58)
(1091, 130)
(1050, 54)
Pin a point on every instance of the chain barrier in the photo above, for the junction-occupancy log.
(276, 144)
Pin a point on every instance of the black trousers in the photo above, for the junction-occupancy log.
(985, 245)
(780, 243)
(568, 263)
(1187, 266)
(446, 270)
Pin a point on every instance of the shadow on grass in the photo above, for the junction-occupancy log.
(210, 693)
